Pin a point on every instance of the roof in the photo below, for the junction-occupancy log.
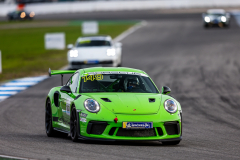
(112, 69)
(215, 11)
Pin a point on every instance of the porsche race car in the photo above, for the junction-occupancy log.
(112, 104)
(94, 51)
(216, 17)
(20, 15)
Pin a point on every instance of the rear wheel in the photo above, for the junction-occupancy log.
(48, 120)
(171, 143)
(73, 125)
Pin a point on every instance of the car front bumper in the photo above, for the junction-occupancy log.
(86, 64)
(90, 129)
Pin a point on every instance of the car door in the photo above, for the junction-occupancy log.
(67, 98)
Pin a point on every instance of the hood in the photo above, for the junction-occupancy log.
(129, 103)
(92, 53)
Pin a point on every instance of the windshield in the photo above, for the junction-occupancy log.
(117, 83)
(93, 43)
(215, 14)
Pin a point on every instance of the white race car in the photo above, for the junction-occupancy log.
(94, 51)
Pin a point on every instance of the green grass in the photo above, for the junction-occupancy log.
(23, 52)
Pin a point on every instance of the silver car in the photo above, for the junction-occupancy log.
(216, 17)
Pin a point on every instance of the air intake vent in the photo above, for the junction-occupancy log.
(106, 99)
(151, 100)
(136, 133)
(96, 127)
(172, 128)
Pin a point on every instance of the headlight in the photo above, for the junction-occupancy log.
(32, 14)
(223, 19)
(73, 53)
(23, 15)
(91, 105)
(170, 106)
(111, 52)
(207, 19)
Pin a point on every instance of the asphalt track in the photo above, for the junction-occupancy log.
(202, 68)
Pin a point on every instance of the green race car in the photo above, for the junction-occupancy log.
(111, 104)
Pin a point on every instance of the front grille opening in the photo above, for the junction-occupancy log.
(136, 133)
(160, 132)
(172, 128)
(96, 127)
(112, 130)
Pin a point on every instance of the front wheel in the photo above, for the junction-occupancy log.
(73, 125)
(48, 120)
(171, 143)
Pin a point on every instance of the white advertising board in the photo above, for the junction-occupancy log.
(90, 27)
(54, 41)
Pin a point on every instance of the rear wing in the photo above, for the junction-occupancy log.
(61, 72)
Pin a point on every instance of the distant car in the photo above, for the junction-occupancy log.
(216, 17)
(20, 15)
(112, 104)
(94, 51)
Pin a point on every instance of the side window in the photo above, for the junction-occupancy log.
(73, 82)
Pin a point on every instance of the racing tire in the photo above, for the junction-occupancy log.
(73, 125)
(206, 26)
(171, 143)
(48, 120)
(10, 18)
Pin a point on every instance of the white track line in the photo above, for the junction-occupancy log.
(130, 31)
(17, 158)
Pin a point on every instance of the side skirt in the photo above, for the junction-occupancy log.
(61, 130)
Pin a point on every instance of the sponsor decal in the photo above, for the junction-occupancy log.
(137, 125)
(68, 106)
(83, 115)
(83, 119)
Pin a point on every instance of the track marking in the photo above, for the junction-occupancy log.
(130, 31)
(17, 158)
(15, 86)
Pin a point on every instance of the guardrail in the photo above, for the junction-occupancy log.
(68, 7)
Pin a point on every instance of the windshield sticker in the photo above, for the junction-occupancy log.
(97, 77)
(85, 41)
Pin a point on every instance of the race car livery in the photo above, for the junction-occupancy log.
(112, 104)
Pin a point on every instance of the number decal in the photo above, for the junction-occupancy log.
(97, 77)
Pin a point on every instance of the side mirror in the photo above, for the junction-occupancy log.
(166, 90)
(69, 46)
(118, 44)
(66, 89)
